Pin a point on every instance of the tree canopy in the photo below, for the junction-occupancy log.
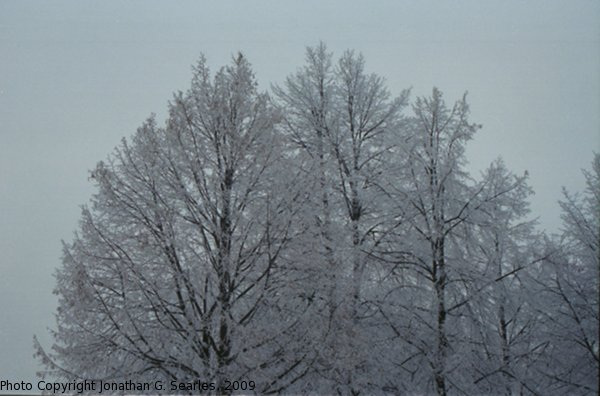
(325, 238)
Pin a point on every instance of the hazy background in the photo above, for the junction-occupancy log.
(76, 77)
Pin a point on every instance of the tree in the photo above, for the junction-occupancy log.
(441, 283)
(305, 101)
(339, 118)
(571, 288)
(504, 324)
(366, 117)
(174, 263)
(323, 242)
(441, 200)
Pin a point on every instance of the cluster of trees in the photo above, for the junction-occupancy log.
(326, 238)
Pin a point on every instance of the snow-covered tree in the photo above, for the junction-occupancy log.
(502, 325)
(571, 294)
(172, 271)
(431, 255)
(323, 242)
(340, 117)
(367, 118)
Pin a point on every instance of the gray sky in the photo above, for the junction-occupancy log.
(75, 77)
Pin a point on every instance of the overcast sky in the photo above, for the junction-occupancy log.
(76, 77)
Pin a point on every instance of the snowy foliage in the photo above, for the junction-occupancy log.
(325, 240)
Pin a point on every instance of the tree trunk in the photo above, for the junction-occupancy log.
(439, 278)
